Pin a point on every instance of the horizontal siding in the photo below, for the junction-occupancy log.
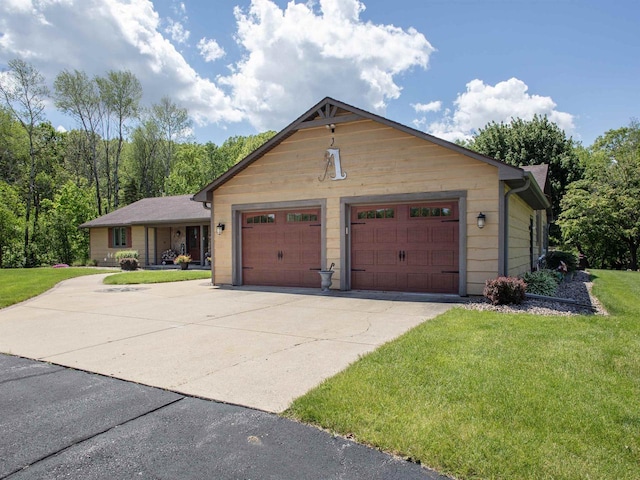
(378, 160)
(519, 236)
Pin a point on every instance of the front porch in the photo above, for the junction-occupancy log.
(163, 243)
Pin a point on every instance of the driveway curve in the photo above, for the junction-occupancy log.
(254, 347)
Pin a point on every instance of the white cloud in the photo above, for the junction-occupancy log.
(427, 107)
(100, 35)
(210, 50)
(177, 31)
(481, 104)
(297, 55)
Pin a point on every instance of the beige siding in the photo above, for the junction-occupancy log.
(520, 215)
(378, 160)
(106, 257)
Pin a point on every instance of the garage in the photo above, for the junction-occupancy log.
(281, 247)
(409, 247)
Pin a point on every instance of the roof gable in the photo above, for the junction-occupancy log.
(330, 111)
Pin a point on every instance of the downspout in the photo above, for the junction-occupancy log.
(506, 221)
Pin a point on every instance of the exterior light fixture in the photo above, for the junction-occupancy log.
(220, 228)
(177, 233)
(481, 220)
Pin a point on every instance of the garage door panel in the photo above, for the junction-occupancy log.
(364, 257)
(387, 257)
(418, 258)
(386, 235)
(362, 236)
(443, 259)
(443, 283)
(363, 280)
(281, 248)
(407, 251)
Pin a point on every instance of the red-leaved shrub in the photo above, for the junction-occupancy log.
(505, 290)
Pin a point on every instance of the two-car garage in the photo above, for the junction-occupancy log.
(411, 247)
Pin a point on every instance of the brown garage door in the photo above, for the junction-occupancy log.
(281, 248)
(411, 247)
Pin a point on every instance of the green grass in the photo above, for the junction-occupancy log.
(488, 395)
(156, 276)
(19, 284)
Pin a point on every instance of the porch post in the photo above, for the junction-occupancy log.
(146, 246)
(202, 240)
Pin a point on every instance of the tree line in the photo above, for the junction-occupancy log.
(122, 151)
(119, 152)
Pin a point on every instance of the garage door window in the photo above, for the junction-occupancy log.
(377, 213)
(268, 218)
(426, 212)
(302, 217)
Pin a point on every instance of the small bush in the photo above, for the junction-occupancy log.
(92, 263)
(542, 282)
(504, 290)
(129, 264)
(126, 254)
(554, 258)
(180, 259)
(78, 263)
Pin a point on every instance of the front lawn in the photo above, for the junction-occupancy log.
(489, 395)
(156, 276)
(19, 284)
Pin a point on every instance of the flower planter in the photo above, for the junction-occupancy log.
(325, 279)
(184, 266)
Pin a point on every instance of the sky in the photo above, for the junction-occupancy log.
(445, 67)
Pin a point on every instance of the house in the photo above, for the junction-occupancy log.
(152, 226)
(392, 208)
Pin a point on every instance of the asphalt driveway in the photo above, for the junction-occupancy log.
(59, 423)
(259, 348)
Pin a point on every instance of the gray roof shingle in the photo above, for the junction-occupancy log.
(158, 210)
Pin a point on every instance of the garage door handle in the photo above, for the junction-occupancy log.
(280, 254)
(401, 255)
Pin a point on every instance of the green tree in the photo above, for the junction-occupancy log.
(173, 125)
(601, 213)
(23, 91)
(78, 96)
(532, 142)
(120, 93)
(71, 207)
(11, 226)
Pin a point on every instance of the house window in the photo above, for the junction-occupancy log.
(119, 237)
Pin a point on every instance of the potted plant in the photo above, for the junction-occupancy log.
(183, 261)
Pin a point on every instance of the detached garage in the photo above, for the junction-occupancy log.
(394, 209)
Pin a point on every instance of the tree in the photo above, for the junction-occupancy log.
(601, 214)
(532, 142)
(78, 96)
(11, 213)
(174, 126)
(120, 93)
(23, 91)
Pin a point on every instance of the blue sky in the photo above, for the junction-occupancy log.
(446, 67)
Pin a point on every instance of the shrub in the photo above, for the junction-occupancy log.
(126, 254)
(92, 262)
(504, 290)
(129, 263)
(542, 282)
(554, 258)
(182, 259)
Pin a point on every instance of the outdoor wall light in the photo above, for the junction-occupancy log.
(481, 220)
(220, 228)
(178, 233)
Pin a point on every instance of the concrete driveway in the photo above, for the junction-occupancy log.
(259, 348)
